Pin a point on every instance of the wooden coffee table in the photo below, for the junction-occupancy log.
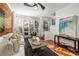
(36, 46)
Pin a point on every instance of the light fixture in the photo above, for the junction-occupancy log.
(35, 7)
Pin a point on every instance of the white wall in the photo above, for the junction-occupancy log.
(40, 28)
(72, 9)
(48, 33)
(17, 21)
(77, 27)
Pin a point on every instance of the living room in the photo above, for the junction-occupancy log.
(39, 29)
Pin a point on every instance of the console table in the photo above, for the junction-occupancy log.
(75, 40)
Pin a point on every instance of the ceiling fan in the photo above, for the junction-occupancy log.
(35, 5)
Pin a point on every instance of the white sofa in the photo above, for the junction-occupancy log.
(8, 46)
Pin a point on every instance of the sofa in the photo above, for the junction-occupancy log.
(9, 44)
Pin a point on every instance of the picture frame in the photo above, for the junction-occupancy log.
(45, 25)
(2, 27)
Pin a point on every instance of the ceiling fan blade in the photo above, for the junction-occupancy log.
(42, 6)
(26, 4)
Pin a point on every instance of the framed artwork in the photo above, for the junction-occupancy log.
(53, 21)
(45, 25)
(1, 20)
(36, 25)
(67, 26)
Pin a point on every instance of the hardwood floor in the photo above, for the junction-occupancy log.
(60, 50)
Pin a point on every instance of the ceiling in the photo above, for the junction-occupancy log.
(25, 10)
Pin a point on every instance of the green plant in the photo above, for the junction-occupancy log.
(33, 34)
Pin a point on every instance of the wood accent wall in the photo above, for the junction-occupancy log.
(8, 18)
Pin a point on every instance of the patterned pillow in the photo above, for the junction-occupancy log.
(14, 36)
